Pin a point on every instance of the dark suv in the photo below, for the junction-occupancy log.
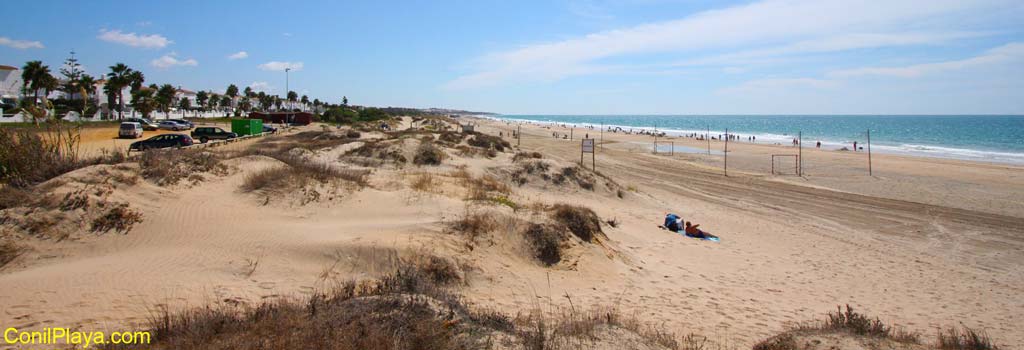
(162, 141)
(204, 134)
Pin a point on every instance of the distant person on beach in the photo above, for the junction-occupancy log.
(855, 146)
(818, 145)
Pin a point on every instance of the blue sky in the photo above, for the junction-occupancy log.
(559, 57)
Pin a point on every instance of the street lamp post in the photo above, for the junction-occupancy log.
(286, 88)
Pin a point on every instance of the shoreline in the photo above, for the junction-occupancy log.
(772, 139)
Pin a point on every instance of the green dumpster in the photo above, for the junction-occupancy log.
(244, 127)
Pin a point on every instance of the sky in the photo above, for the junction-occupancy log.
(559, 56)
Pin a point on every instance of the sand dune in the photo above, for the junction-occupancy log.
(792, 248)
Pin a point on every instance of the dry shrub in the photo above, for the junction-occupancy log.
(437, 270)
(526, 155)
(314, 140)
(569, 328)
(573, 173)
(488, 142)
(955, 338)
(13, 197)
(859, 324)
(784, 341)
(450, 138)
(170, 166)
(425, 182)
(521, 175)
(581, 221)
(428, 154)
(546, 241)
(9, 251)
(75, 200)
(268, 179)
(297, 173)
(41, 225)
(383, 151)
(405, 309)
(120, 218)
(482, 188)
(472, 225)
(32, 155)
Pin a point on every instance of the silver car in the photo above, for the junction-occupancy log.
(172, 125)
(130, 130)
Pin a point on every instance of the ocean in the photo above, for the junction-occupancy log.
(989, 138)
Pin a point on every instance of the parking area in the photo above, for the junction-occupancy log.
(96, 140)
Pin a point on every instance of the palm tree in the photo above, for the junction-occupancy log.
(248, 92)
(86, 87)
(144, 101)
(33, 76)
(214, 99)
(232, 91)
(292, 97)
(184, 104)
(165, 98)
(201, 98)
(305, 102)
(117, 79)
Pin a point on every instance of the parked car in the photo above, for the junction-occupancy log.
(183, 122)
(147, 124)
(173, 125)
(132, 130)
(269, 129)
(162, 141)
(205, 134)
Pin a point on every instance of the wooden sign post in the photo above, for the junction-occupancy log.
(587, 146)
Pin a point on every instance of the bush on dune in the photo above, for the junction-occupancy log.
(546, 241)
(410, 308)
(8, 251)
(297, 172)
(487, 141)
(581, 221)
(170, 166)
(428, 154)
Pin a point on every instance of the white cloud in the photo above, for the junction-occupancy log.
(170, 60)
(20, 44)
(842, 42)
(238, 55)
(792, 25)
(1007, 53)
(280, 66)
(261, 86)
(761, 85)
(134, 40)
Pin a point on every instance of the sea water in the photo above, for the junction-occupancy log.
(991, 138)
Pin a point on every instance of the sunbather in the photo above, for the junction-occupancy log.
(672, 222)
(693, 231)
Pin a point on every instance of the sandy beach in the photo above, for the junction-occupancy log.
(923, 243)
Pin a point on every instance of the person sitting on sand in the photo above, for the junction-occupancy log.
(693, 231)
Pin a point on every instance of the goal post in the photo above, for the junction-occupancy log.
(780, 164)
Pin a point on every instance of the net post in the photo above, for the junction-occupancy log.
(800, 155)
(726, 153)
(870, 173)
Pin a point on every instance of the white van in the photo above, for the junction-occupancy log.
(130, 130)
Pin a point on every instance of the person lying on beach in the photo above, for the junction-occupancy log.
(693, 231)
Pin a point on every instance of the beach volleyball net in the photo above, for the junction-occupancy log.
(785, 164)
